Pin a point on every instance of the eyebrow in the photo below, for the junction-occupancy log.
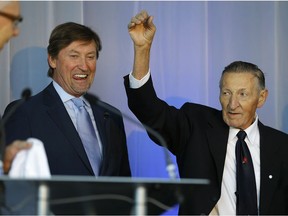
(77, 52)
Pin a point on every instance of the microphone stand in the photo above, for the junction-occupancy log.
(140, 190)
(170, 167)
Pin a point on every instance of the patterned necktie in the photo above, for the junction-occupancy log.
(88, 136)
(246, 185)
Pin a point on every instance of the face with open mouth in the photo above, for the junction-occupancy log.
(75, 67)
(240, 96)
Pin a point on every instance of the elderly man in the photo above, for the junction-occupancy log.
(214, 144)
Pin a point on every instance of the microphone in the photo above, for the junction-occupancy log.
(170, 166)
(26, 93)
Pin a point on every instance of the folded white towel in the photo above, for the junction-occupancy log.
(31, 163)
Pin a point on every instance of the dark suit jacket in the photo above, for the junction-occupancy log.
(44, 117)
(198, 136)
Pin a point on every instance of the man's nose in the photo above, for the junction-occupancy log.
(233, 102)
(83, 64)
(16, 31)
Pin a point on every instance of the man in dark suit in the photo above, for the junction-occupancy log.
(204, 139)
(50, 115)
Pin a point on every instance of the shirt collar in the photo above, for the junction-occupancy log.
(65, 97)
(251, 131)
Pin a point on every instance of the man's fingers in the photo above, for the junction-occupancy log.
(140, 18)
(11, 151)
(150, 20)
(131, 25)
(21, 144)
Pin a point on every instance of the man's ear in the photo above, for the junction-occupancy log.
(262, 97)
(51, 61)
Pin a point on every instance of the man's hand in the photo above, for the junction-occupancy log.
(142, 29)
(11, 151)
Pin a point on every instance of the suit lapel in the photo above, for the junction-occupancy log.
(217, 135)
(58, 113)
(270, 168)
(102, 122)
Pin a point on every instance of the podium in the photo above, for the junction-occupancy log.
(74, 195)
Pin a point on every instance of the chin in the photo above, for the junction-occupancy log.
(233, 124)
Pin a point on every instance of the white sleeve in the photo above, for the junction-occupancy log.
(135, 83)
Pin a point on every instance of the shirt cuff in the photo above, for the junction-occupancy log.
(135, 83)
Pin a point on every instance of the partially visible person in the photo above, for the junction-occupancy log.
(205, 140)
(9, 19)
(51, 115)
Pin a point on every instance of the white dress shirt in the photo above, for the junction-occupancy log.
(226, 205)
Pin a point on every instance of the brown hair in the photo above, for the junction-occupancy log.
(64, 34)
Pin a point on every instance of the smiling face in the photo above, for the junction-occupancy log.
(75, 67)
(240, 96)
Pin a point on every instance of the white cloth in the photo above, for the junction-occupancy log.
(31, 163)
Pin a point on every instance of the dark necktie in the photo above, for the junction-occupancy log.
(88, 136)
(246, 185)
